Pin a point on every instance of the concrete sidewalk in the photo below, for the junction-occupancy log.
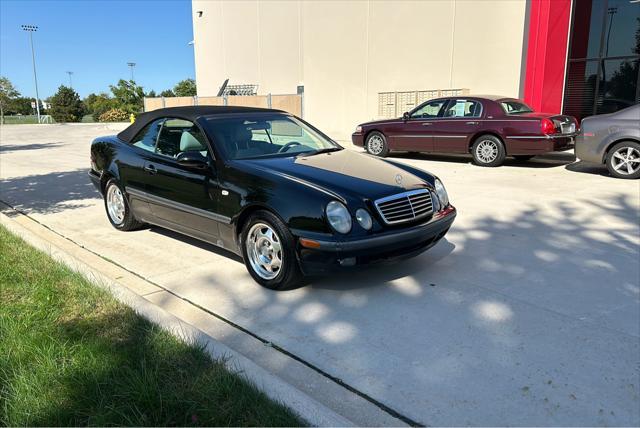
(528, 313)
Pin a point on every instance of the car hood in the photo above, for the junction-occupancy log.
(343, 172)
(381, 121)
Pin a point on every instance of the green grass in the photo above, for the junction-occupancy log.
(72, 355)
(20, 120)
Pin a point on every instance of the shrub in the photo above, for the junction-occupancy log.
(66, 105)
(114, 115)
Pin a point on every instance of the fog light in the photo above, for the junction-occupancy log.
(364, 218)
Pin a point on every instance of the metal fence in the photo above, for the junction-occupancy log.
(291, 103)
(27, 119)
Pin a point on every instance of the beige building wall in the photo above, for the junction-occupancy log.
(346, 52)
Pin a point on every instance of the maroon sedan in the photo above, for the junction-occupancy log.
(489, 127)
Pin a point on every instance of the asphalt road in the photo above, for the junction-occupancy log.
(527, 313)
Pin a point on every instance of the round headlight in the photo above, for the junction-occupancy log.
(359, 129)
(339, 217)
(442, 193)
(364, 218)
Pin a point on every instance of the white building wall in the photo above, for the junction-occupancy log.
(346, 52)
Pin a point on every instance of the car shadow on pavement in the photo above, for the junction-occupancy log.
(548, 160)
(7, 148)
(589, 168)
(196, 243)
(48, 193)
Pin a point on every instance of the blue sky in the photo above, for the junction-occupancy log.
(95, 40)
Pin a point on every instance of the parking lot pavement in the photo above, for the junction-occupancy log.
(528, 313)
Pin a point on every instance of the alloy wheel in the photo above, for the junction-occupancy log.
(375, 144)
(115, 204)
(487, 151)
(264, 249)
(626, 160)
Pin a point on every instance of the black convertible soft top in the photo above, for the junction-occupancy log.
(187, 113)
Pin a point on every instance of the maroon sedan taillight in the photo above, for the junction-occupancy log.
(547, 126)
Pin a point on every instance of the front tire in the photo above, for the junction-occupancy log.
(623, 160)
(376, 144)
(117, 207)
(268, 249)
(488, 151)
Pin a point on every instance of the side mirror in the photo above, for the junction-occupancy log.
(193, 160)
(405, 116)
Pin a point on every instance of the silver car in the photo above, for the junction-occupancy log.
(612, 139)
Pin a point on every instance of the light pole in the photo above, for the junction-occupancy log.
(31, 29)
(70, 82)
(131, 66)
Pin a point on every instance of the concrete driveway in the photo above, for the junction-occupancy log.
(528, 313)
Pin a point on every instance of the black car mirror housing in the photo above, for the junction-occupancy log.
(405, 116)
(193, 160)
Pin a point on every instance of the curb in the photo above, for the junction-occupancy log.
(275, 388)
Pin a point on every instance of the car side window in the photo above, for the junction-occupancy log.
(429, 110)
(463, 108)
(178, 136)
(147, 137)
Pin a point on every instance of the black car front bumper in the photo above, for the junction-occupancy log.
(383, 248)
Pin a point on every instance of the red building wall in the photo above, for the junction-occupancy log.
(547, 54)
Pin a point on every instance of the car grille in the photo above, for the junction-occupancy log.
(405, 206)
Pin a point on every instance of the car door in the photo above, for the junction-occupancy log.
(131, 168)
(182, 197)
(460, 120)
(415, 134)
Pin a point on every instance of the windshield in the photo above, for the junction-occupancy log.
(515, 107)
(266, 135)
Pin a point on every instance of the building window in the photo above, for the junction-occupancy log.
(604, 56)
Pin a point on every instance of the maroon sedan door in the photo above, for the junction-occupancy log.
(415, 134)
(453, 133)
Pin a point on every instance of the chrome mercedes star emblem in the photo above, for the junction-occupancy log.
(398, 178)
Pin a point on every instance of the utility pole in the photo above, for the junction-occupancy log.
(131, 66)
(32, 29)
(70, 82)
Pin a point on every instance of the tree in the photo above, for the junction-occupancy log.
(167, 93)
(7, 93)
(97, 104)
(151, 94)
(129, 96)
(66, 105)
(20, 105)
(185, 88)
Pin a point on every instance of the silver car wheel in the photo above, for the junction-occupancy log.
(487, 151)
(375, 144)
(264, 250)
(115, 204)
(626, 160)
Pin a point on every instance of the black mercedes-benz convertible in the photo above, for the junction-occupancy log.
(269, 187)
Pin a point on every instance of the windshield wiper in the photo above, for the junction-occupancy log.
(325, 150)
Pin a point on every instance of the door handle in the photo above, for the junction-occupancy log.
(471, 123)
(150, 169)
(427, 124)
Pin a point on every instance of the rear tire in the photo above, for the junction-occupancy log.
(269, 252)
(623, 160)
(488, 151)
(523, 158)
(117, 207)
(376, 144)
